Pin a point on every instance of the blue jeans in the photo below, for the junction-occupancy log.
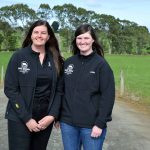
(73, 137)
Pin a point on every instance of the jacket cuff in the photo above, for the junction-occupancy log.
(26, 119)
(100, 124)
(53, 114)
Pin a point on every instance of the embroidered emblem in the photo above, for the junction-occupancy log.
(24, 67)
(69, 69)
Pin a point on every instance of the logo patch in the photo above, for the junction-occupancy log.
(24, 67)
(69, 69)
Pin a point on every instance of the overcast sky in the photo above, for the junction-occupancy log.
(133, 10)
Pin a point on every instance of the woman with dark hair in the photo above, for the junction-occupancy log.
(89, 93)
(31, 85)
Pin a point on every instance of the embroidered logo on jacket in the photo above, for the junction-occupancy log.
(69, 69)
(24, 67)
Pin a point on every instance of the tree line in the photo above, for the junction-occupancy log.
(116, 36)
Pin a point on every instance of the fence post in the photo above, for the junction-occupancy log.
(122, 86)
(2, 75)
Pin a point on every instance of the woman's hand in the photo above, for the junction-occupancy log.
(32, 125)
(45, 122)
(96, 132)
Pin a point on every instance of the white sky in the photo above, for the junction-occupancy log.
(133, 10)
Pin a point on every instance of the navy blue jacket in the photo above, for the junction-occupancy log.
(20, 82)
(89, 91)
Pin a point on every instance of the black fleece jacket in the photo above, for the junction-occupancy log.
(89, 91)
(20, 83)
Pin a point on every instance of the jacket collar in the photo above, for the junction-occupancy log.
(86, 58)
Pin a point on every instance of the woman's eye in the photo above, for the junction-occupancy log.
(43, 32)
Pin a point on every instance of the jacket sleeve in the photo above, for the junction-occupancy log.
(56, 105)
(12, 90)
(107, 92)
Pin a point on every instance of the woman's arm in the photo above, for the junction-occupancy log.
(12, 89)
(107, 91)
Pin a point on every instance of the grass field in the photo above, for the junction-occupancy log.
(4, 58)
(136, 72)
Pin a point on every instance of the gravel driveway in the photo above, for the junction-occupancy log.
(129, 130)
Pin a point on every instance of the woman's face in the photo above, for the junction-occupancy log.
(84, 43)
(39, 36)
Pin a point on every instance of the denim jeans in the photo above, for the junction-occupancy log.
(73, 137)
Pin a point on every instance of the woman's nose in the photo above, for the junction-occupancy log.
(39, 34)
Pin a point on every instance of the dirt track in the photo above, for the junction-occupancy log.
(129, 130)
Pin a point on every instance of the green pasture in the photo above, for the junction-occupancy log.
(136, 71)
(4, 58)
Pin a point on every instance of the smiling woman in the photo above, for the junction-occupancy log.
(84, 43)
(39, 38)
(89, 93)
(31, 87)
